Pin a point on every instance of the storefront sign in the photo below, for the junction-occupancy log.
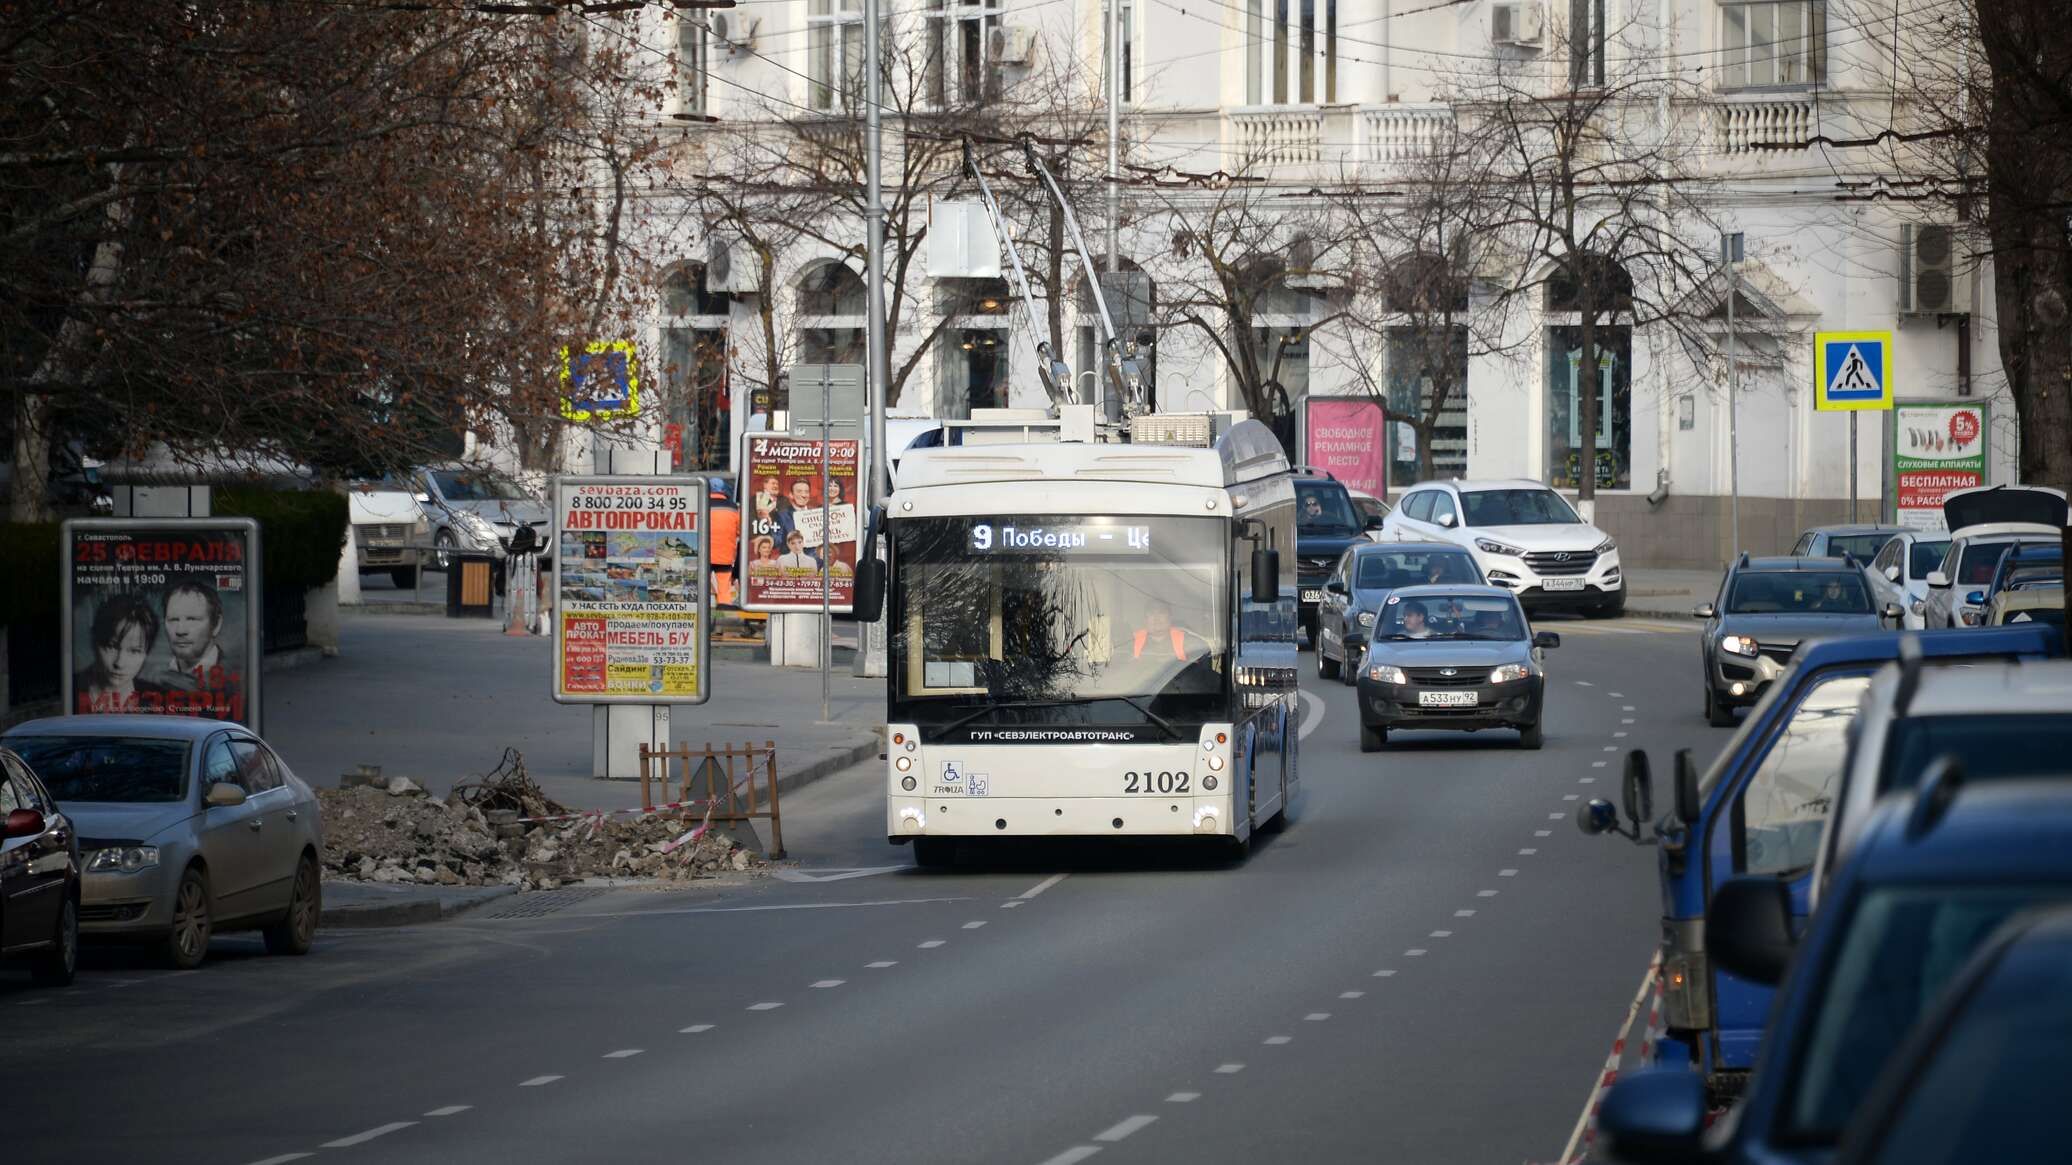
(630, 615)
(787, 534)
(1347, 437)
(1937, 449)
(161, 615)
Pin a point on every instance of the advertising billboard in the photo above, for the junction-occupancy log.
(1347, 437)
(1937, 449)
(162, 616)
(631, 622)
(794, 533)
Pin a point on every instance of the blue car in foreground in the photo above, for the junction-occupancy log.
(1762, 809)
(1936, 875)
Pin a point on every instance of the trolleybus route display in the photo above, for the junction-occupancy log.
(630, 621)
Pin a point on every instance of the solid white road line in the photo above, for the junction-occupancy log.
(1125, 1128)
(537, 1081)
(1074, 1155)
(1040, 887)
(450, 1110)
(370, 1134)
(695, 1028)
(824, 984)
(623, 1054)
(772, 1006)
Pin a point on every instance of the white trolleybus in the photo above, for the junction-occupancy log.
(1090, 638)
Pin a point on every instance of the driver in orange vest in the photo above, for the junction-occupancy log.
(1158, 631)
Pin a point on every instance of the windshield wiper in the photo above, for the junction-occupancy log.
(1154, 717)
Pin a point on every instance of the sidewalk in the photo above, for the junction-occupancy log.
(438, 700)
(1669, 594)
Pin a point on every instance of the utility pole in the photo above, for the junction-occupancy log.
(1730, 255)
(1115, 50)
(877, 377)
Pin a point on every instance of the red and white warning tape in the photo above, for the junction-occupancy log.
(1585, 1134)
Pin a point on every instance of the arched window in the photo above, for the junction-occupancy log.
(697, 402)
(1602, 285)
(1132, 298)
(830, 308)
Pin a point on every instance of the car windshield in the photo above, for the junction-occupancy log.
(1900, 950)
(2035, 744)
(1479, 617)
(1388, 569)
(477, 487)
(1322, 507)
(107, 768)
(1793, 592)
(1516, 507)
(1926, 556)
(1070, 617)
(1995, 1082)
(1863, 546)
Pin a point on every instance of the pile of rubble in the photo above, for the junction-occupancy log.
(393, 831)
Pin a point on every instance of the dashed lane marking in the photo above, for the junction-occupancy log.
(1627, 708)
(1586, 780)
(1124, 1128)
(1525, 853)
(1616, 695)
(1441, 934)
(771, 1006)
(370, 1134)
(1485, 893)
(881, 964)
(1316, 1017)
(1040, 887)
(931, 944)
(450, 1110)
(1277, 1041)
(538, 1081)
(1599, 764)
(1626, 720)
(1556, 816)
(1183, 1098)
(695, 1028)
(1010, 904)
(1414, 953)
(974, 925)
(1074, 1155)
(283, 1159)
(1511, 873)
(1384, 973)
(1571, 796)
(824, 984)
(1618, 736)
(1464, 914)
(1612, 747)
(623, 1054)
(1352, 994)
(1543, 833)
(1229, 1069)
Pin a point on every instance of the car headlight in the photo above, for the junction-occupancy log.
(422, 527)
(1606, 546)
(477, 527)
(1366, 618)
(1738, 645)
(1491, 546)
(122, 859)
(1510, 673)
(1382, 673)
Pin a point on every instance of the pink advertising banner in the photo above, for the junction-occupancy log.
(1347, 436)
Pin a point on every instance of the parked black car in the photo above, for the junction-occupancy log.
(1356, 590)
(1452, 657)
(39, 877)
(1766, 607)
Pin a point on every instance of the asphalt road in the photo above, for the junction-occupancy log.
(1427, 965)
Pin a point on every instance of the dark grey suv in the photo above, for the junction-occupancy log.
(1765, 609)
(1452, 657)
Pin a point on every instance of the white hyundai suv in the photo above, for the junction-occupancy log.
(1524, 536)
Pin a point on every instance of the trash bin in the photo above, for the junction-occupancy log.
(471, 585)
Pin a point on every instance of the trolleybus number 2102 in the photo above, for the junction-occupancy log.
(1149, 782)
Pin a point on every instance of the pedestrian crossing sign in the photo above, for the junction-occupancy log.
(1852, 370)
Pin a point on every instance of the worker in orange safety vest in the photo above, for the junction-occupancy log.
(725, 518)
(1158, 628)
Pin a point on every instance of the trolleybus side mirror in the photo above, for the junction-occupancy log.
(1688, 805)
(869, 600)
(1266, 576)
(1639, 789)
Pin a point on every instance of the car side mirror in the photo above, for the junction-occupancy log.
(1892, 574)
(1374, 522)
(1597, 817)
(1266, 576)
(1893, 612)
(1654, 1115)
(1446, 520)
(1703, 611)
(1545, 639)
(1975, 598)
(1748, 928)
(421, 499)
(1937, 580)
(24, 823)
(224, 795)
(1335, 587)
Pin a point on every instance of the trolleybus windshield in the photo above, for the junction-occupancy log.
(1060, 620)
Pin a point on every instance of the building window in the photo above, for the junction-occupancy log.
(834, 52)
(971, 349)
(697, 406)
(1612, 381)
(959, 66)
(1282, 62)
(1132, 300)
(1419, 358)
(1774, 44)
(691, 63)
(1129, 49)
(830, 310)
(1585, 43)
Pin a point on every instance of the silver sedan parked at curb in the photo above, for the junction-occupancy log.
(187, 827)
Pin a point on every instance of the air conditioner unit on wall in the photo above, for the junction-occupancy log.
(1011, 44)
(1931, 280)
(735, 34)
(730, 268)
(1522, 23)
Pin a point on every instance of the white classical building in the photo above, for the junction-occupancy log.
(1238, 111)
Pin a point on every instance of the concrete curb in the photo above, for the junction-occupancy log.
(828, 766)
(408, 909)
(399, 607)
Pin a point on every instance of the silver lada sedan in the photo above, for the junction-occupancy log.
(186, 827)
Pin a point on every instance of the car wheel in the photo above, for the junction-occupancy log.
(1349, 674)
(935, 853)
(442, 556)
(405, 577)
(1717, 713)
(193, 922)
(297, 929)
(1372, 738)
(1530, 736)
(1327, 668)
(55, 966)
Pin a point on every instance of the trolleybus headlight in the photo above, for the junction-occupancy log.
(903, 763)
(1216, 762)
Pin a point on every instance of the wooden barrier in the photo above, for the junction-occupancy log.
(720, 783)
